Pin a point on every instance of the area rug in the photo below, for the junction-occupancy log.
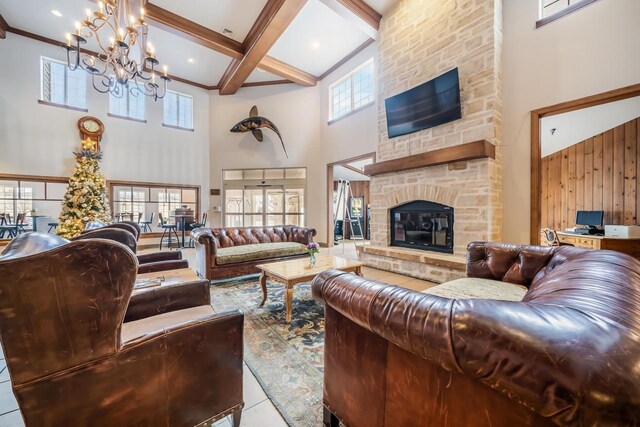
(287, 360)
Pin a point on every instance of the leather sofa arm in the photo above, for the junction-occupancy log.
(303, 235)
(507, 262)
(205, 237)
(424, 329)
(164, 299)
(160, 256)
(196, 357)
(152, 267)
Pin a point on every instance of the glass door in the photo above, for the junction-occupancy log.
(263, 206)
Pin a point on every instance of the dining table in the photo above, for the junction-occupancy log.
(183, 224)
(34, 220)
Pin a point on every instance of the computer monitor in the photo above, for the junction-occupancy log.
(590, 218)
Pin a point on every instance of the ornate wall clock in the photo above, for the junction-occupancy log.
(91, 128)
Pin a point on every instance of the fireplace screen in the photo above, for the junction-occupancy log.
(422, 225)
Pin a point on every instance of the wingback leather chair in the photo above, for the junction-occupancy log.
(567, 354)
(73, 362)
(127, 234)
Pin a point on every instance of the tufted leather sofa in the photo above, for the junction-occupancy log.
(568, 353)
(212, 243)
(72, 360)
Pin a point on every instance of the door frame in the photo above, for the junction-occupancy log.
(329, 196)
(536, 149)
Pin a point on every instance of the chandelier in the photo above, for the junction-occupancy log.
(127, 61)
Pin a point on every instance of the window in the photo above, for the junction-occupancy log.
(63, 86)
(550, 10)
(258, 197)
(141, 201)
(23, 194)
(178, 110)
(352, 92)
(130, 105)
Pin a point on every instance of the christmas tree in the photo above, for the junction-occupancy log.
(86, 197)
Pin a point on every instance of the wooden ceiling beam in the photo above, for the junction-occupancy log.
(191, 31)
(272, 22)
(4, 27)
(365, 12)
(286, 71)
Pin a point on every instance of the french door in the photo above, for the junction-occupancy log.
(258, 206)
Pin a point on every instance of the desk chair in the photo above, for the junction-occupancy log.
(552, 238)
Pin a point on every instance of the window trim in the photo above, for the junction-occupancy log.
(192, 128)
(561, 13)
(346, 77)
(133, 119)
(66, 86)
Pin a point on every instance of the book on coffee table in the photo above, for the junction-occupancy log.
(148, 283)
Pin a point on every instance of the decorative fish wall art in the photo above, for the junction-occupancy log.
(254, 123)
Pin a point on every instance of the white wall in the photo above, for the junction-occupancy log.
(39, 139)
(590, 51)
(310, 143)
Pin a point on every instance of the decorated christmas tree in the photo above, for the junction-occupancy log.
(86, 197)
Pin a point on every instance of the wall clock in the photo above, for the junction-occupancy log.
(91, 128)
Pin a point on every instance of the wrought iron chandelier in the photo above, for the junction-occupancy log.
(128, 61)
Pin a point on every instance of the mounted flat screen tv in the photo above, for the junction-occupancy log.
(431, 104)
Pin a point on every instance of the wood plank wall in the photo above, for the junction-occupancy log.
(600, 173)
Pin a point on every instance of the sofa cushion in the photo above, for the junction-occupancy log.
(472, 287)
(236, 254)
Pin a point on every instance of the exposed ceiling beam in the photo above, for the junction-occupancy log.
(287, 71)
(363, 11)
(3, 28)
(272, 22)
(189, 30)
(356, 15)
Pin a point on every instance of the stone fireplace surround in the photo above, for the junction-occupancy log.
(419, 40)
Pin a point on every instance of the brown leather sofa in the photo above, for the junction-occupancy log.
(230, 252)
(568, 353)
(72, 360)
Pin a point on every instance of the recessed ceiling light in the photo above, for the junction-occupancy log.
(315, 45)
(57, 13)
(190, 60)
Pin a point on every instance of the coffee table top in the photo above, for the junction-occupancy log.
(299, 268)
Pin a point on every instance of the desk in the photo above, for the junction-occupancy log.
(629, 246)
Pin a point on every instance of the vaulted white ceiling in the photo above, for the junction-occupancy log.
(316, 39)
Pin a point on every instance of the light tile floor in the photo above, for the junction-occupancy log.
(258, 410)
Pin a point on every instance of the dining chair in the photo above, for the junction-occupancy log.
(167, 228)
(198, 224)
(146, 225)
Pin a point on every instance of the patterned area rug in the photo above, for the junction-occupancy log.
(287, 360)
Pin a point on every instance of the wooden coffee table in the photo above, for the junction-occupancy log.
(298, 270)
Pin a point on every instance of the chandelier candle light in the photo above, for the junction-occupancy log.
(128, 61)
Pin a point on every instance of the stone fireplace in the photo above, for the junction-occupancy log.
(418, 41)
(423, 225)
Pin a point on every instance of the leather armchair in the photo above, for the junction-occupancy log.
(72, 361)
(567, 354)
(149, 263)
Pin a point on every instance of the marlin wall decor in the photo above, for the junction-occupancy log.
(254, 123)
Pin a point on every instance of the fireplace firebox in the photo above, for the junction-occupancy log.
(422, 225)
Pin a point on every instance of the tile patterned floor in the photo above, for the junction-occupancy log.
(258, 410)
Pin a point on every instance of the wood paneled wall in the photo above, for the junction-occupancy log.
(600, 173)
(358, 189)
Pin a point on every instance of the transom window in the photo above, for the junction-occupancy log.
(178, 110)
(59, 85)
(130, 105)
(352, 92)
